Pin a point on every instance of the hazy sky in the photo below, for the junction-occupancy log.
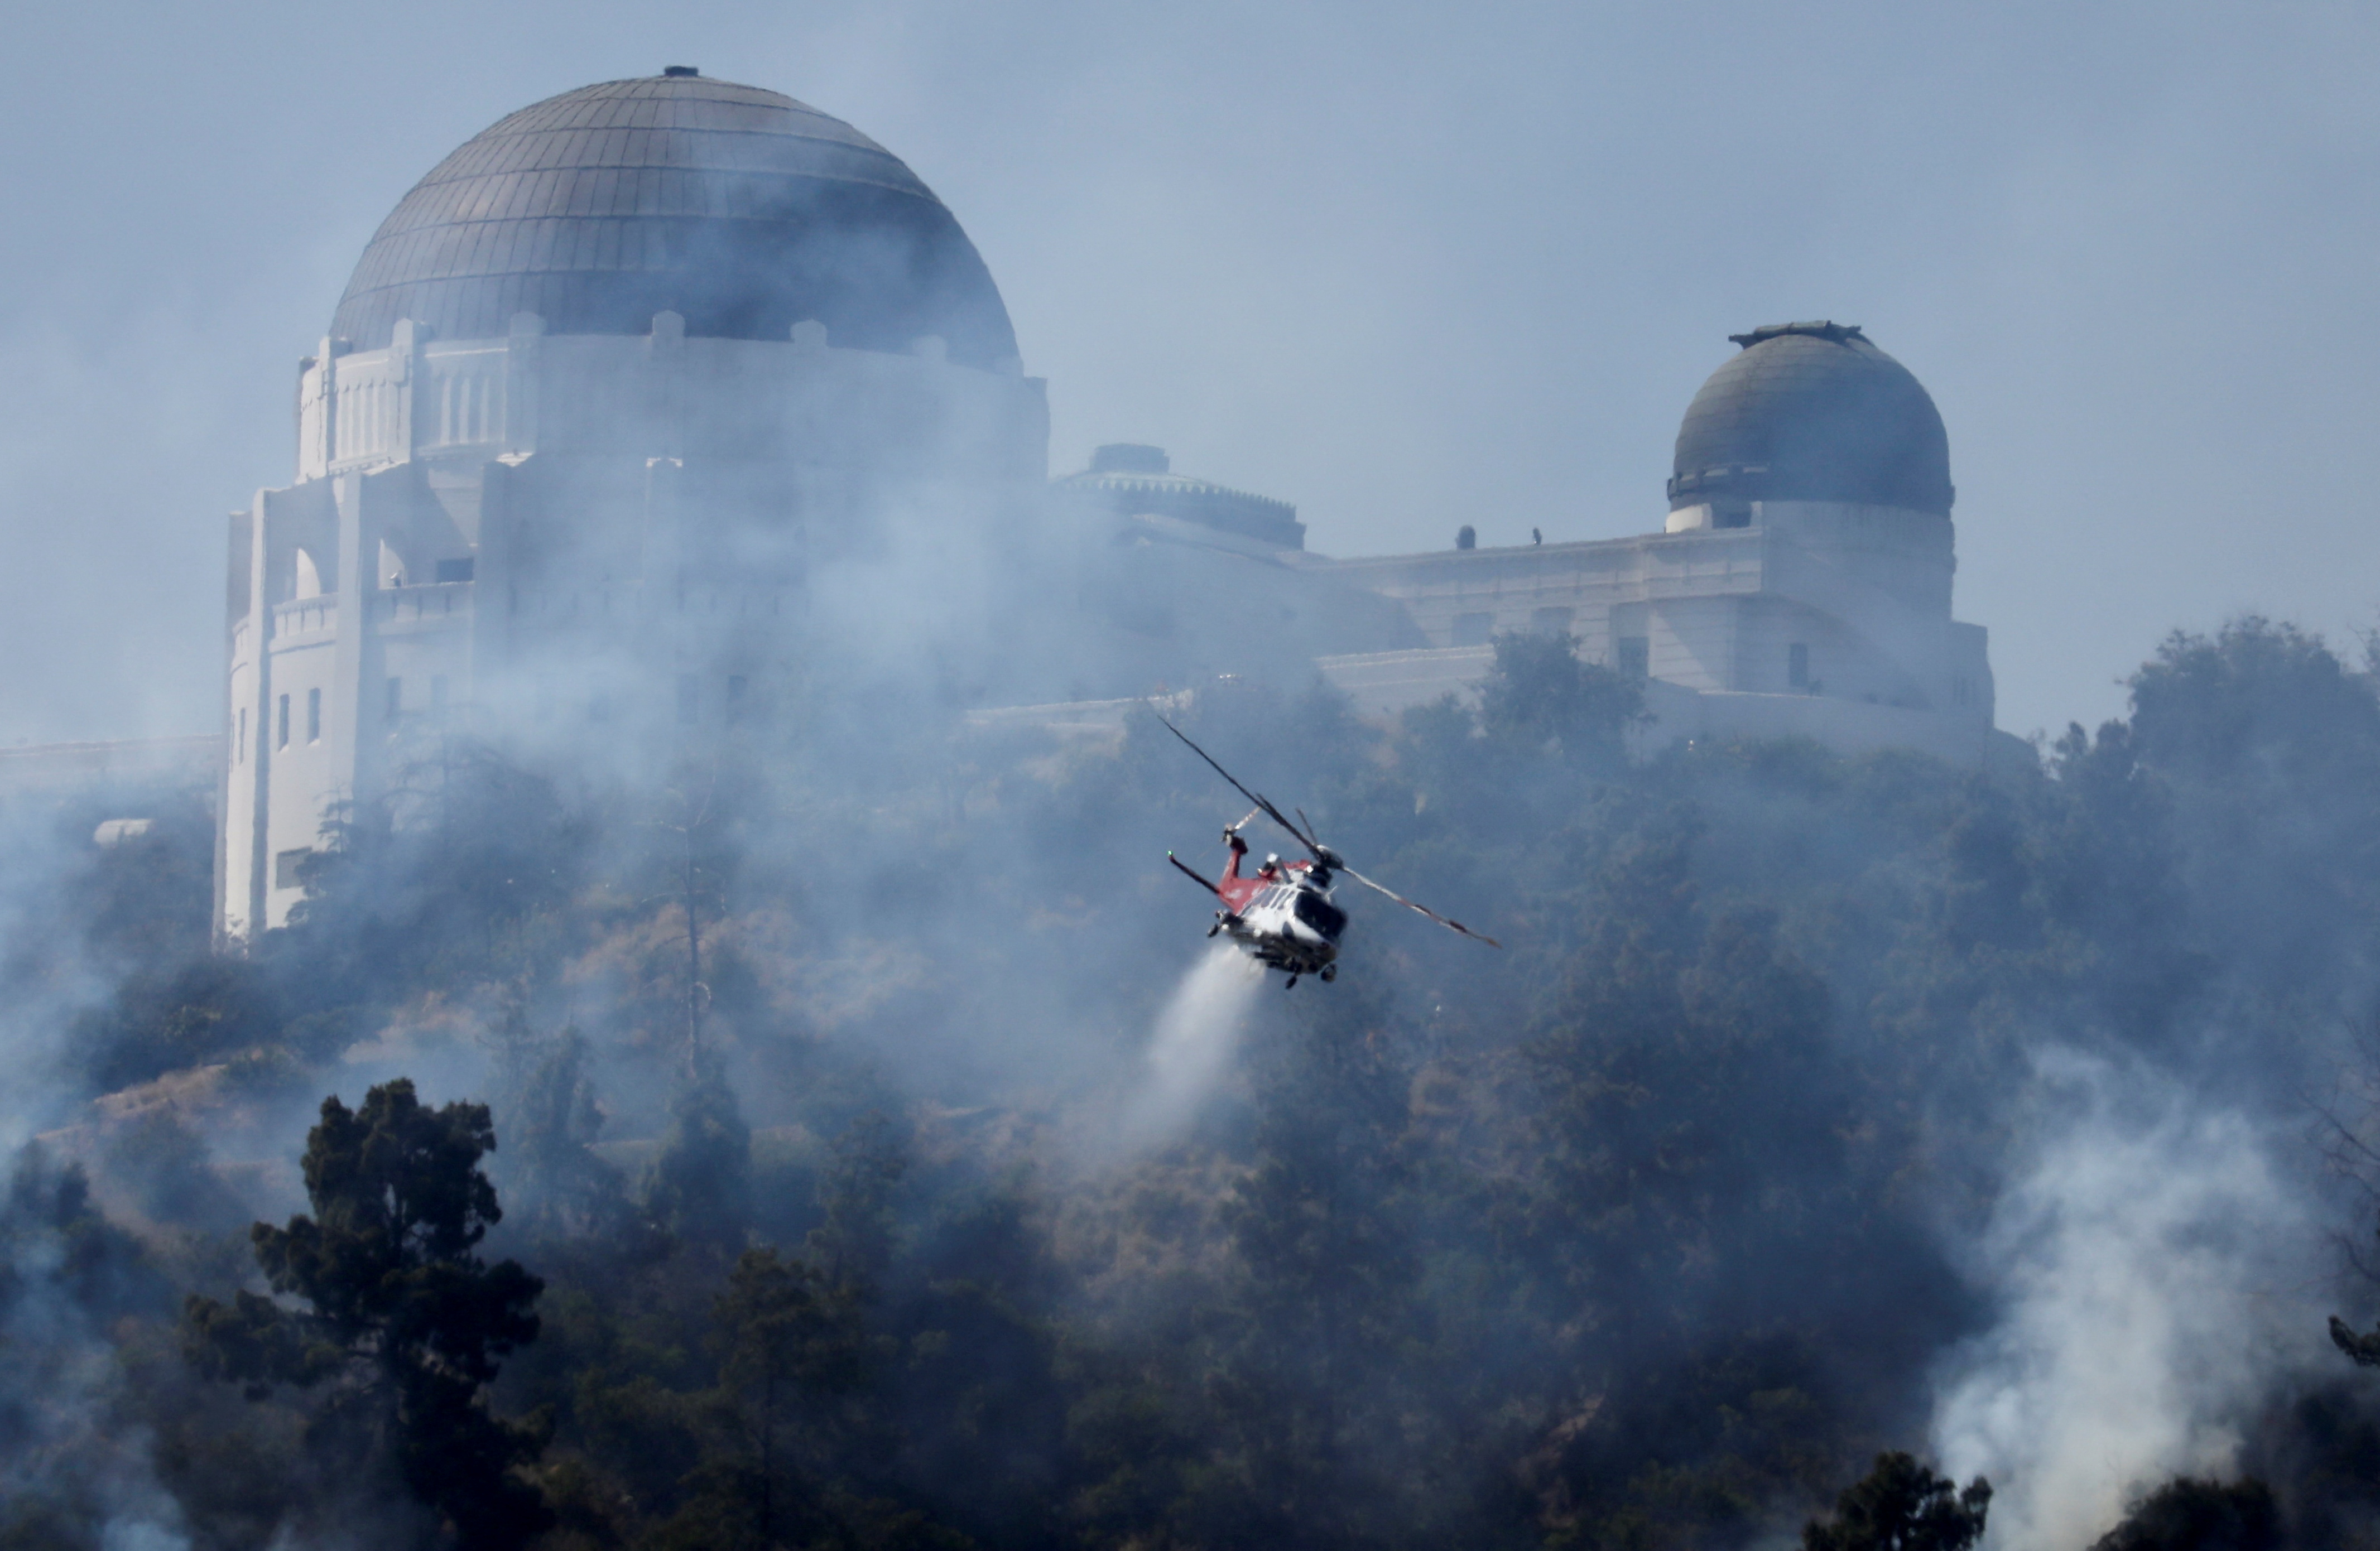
(1406, 266)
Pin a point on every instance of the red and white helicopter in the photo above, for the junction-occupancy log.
(1283, 914)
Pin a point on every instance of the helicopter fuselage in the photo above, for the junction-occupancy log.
(1290, 926)
(1283, 915)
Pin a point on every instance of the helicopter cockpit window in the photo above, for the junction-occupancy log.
(1320, 913)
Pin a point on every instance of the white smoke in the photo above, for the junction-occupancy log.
(2145, 1254)
(62, 1382)
(1198, 1032)
(148, 1528)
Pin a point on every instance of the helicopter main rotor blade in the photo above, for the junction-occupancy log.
(1449, 923)
(1313, 842)
(1256, 797)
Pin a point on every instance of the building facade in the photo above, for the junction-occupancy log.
(604, 389)
(621, 382)
(1801, 585)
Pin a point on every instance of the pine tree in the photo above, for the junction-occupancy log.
(403, 1326)
(700, 1190)
(1902, 1505)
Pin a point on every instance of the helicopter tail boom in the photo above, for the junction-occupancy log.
(1192, 877)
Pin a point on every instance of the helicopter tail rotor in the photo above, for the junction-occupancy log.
(1264, 805)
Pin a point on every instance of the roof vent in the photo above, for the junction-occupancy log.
(1828, 330)
(1128, 457)
(680, 70)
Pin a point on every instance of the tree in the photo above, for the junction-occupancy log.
(553, 1121)
(1658, 1023)
(463, 874)
(1902, 1505)
(2271, 749)
(66, 1276)
(1541, 694)
(2110, 869)
(699, 1189)
(695, 885)
(178, 1012)
(793, 1352)
(401, 1325)
(852, 1246)
(781, 1337)
(2189, 1515)
(2363, 1349)
(1307, 1381)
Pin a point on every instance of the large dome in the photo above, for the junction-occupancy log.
(743, 211)
(1813, 412)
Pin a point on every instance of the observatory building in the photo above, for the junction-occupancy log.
(602, 389)
(1799, 587)
(619, 385)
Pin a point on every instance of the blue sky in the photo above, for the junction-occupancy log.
(1406, 266)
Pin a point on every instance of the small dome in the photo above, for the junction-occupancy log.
(1132, 480)
(743, 211)
(1130, 457)
(1813, 412)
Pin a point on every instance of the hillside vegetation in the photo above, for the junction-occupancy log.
(739, 1165)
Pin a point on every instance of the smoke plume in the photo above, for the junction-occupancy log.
(2148, 1257)
(1196, 1033)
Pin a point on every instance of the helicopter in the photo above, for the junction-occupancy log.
(1283, 915)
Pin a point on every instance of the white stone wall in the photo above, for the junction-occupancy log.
(1716, 615)
(584, 544)
(665, 395)
(1453, 594)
